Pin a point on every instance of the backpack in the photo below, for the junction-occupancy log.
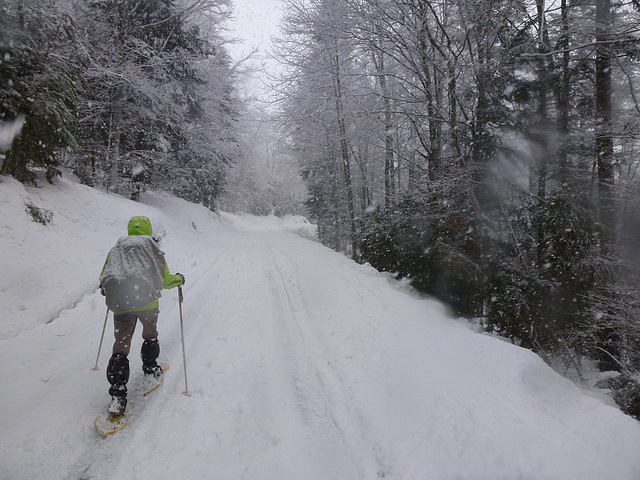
(132, 275)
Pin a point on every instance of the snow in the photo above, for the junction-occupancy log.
(301, 363)
(9, 130)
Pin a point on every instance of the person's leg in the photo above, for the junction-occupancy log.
(118, 368)
(150, 347)
(118, 376)
(124, 324)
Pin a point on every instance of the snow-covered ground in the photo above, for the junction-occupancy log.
(301, 363)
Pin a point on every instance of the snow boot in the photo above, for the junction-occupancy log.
(149, 354)
(118, 375)
(117, 406)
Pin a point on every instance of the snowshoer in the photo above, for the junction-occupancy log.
(132, 278)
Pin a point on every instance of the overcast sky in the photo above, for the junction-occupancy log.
(254, 23)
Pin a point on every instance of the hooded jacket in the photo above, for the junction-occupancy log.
(141, 226)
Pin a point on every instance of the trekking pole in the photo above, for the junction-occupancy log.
(101, 339)
(184, 357)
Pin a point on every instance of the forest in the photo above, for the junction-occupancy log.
(130, 94)
(485, 151)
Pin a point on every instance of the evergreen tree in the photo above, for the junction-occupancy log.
(40, 65)
(161, 111)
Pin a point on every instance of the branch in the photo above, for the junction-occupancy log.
(614, 359)
(580, 47)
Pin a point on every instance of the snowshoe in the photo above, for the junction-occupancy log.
(110, 421)
(153, 379)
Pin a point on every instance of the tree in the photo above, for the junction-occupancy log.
(266, 181)
(321, 60)
(162, 110)
(603, 112)
(39, 79)
(502, 140)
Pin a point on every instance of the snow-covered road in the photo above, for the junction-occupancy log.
(301, 364)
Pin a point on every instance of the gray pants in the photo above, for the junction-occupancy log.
(125, 325)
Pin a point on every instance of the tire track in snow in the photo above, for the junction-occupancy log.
(207, 269)
(322, 398)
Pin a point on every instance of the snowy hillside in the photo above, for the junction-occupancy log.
(302, 364)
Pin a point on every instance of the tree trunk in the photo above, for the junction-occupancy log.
(563, 97)
(430, 92)
(603, 138)
(344, 150)
(389, 161)
(542, 114)
(453, 116)
(113, 148)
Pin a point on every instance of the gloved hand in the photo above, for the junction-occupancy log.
(182, 277)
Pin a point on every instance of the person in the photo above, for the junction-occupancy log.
(132, 278)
